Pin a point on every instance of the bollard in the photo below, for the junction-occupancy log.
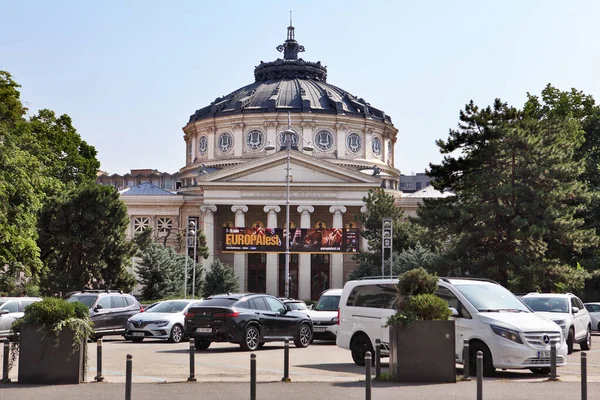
(5, 378)
(368, 375)
(192, 377)
(99, 377)
(466, 361)
(286, 361)
(128, 369)
(253, 376)
(377, 358)
(553, 362)
(583, 376)
(479, 375)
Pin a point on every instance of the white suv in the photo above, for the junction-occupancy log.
(490, 317)
(568, 312)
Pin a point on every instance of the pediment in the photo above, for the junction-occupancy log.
(303, 169)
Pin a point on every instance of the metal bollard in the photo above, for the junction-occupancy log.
(377, 358)
(5, 378)
(253, 376)
(466, 361)
(583, 376)
(553, 362)
(368, 375)
(192, 377)
(128, 369)
(286, 362)
(99, 377)
(479, 375)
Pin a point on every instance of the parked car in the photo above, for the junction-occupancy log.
(295, 305)
(489, 316)
(164, 320)
(568, 312)
(12, 308)
(594, 311)
(325, 315)
(109, 309)
(249, 320)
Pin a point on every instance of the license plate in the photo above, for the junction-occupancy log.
(137, 333)
(319, 329)
(204, 330)
(544, 354)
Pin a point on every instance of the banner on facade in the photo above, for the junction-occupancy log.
(303, 240)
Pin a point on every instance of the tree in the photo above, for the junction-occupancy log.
(160, 272)
(514, 214)
(220, 279)
(83, 242)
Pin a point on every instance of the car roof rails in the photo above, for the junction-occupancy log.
(467, 278)
(362, 278)
(101, 291)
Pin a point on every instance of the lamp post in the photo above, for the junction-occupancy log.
(288, 135)
(190, 233)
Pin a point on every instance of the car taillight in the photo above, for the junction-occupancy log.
(338, 317)
(229, 314)
(189, 314)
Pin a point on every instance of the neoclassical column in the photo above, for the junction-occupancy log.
(364, 243)
(208, 227)
(272, 258)
(337, 260)
(304, 266)
(239, 259)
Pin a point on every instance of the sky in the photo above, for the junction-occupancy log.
(130, 73)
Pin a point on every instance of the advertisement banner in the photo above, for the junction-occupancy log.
(303, 240)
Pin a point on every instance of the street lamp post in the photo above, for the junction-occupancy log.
(190, 233)
(288, 135)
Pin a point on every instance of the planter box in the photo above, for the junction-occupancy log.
(424, 352)
(41, 361)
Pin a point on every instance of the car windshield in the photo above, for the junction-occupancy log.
(2, 303)
(328, 303)
(88, 300)
(169, 307)
(548, 304)
(297, 305)
(491, 297)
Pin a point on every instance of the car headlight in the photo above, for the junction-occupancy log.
(161, 323)
(334, 319)
(560, 322)
(507, 333)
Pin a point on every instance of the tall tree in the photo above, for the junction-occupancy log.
(83, 241)
(161, 272)
(514, 214)
(220, 279)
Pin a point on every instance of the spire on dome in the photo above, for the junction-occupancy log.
(290, 48)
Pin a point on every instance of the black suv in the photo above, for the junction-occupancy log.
(109, 309)
(247, 319)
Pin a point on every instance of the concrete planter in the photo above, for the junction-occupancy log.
(42, 361)
(424, 352)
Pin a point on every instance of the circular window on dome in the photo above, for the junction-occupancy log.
(354, 143)
(255, 140)
(203, 145)
(324, 140)
(376, 146)
(225, 142)
(295, 140)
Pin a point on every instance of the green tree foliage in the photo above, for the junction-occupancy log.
(220, 279)
(514, 216)
(82, 241)
(414, 257)
(161, 272)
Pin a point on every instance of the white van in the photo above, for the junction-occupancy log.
(486, 314)
(324, 315)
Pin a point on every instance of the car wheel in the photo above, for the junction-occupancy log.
(137, 339)
(176, 334)
(251, 339)
(359, 347)
(570, 339)
(541, 370)
(201, 344)
(304, 336)
(488, 363)
(587, 343)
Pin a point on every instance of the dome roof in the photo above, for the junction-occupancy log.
(290, 85)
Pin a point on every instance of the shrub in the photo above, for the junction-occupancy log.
(417, 281)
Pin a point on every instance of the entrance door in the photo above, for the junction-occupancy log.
(293, 275)
(319, 274)
(257, 272)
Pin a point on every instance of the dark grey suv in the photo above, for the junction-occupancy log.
(109, 309)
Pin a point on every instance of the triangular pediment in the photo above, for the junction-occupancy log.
(303, 169)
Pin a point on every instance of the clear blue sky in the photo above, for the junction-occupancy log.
(130, 73)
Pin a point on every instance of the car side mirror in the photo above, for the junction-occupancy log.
(575, 310)
(98, 307)
(2, 312)
(454, 312)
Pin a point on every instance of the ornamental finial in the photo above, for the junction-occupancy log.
(290, 48)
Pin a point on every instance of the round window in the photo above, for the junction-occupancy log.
(376, 146)
(203, 145)
(255, 140)
(324, 140)
(354, 143)
(225, 142)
